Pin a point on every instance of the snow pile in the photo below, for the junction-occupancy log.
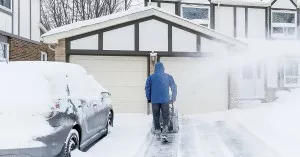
(23, 92)
(48, 69)
(276, 124)
(125, 138)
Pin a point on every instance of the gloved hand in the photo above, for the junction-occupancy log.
(149, 101)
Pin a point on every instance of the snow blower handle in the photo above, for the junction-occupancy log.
(172, 107)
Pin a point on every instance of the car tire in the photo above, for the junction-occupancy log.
(72, 143)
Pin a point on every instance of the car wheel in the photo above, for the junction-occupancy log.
(71, 143)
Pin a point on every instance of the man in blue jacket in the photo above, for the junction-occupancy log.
(157, 92)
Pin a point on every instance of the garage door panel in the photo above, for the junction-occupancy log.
(202, 87)
(129, 107)
(124, 77)
(125, 92)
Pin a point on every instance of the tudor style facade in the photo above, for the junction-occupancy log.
(266, 19)
(116, 49)
(20, 31)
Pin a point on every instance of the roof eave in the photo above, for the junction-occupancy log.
(54, 38)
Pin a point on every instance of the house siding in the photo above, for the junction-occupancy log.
(21, 50)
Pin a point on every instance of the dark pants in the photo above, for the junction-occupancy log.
(164, 108)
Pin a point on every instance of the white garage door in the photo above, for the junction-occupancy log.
(202, 84)
(124, 77)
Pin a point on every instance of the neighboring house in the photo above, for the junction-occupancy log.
(116, 49)
(247, 19)
(20, 31)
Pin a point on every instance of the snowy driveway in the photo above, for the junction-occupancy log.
(210, 139)
(197, 138)
(270, 130)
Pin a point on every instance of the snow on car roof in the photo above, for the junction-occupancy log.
(47, 68)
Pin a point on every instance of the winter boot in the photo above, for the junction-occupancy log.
(164, 135)
(157, 134)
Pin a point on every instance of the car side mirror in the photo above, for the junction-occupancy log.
(105, 94)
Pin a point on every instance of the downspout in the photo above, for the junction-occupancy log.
(49, 46)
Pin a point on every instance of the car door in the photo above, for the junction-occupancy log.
(98, 106)
(105, 106)
(80, 93)
(99, 114)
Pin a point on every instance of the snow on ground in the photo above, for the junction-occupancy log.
(125, 139)
(263, 130)
(275, 125)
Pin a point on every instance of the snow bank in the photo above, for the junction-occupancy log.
(125, 138)
(277, 123)
(23, 92)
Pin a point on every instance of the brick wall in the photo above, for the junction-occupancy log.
(21, 50)
(60, 51)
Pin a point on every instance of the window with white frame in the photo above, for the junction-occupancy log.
(5, 4)
(284, 24)
(44, 56)
(198, 14)
(4, 51)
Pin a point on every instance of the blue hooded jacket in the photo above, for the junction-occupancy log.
(158, 85)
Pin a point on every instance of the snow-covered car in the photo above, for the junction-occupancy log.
(50, 108)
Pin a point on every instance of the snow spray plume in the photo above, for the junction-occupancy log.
(208, 69)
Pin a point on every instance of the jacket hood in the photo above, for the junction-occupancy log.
(159, 67)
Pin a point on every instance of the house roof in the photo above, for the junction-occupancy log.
(81, 27)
